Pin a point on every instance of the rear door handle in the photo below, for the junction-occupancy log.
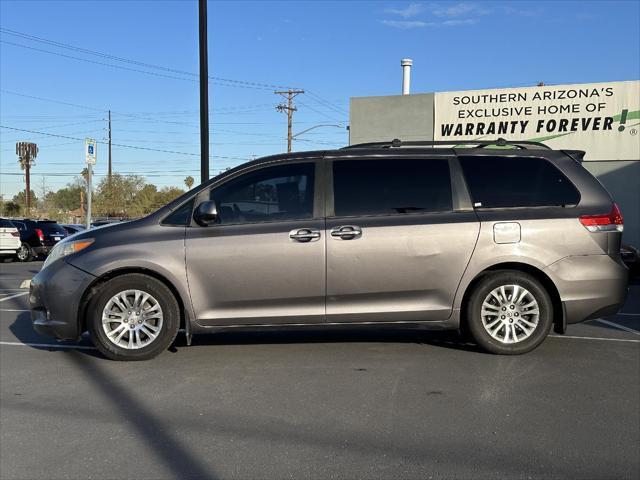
(346, 232)
(304, 235)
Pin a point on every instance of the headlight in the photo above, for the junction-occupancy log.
(63, 249)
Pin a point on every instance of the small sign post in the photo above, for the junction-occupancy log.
(90, 155)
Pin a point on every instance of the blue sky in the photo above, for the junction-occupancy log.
(334, 50)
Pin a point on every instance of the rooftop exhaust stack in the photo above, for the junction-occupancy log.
(406, 75)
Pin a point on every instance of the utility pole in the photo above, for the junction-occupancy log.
(109, 174)
(204, 92)
(27, 153)
(289, 108)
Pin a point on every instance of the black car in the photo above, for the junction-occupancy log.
(38, 237)
(72, 228)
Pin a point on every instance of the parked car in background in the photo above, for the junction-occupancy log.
(72, 228)
(9, 238)
(505, 243)
(631, 258)
(101, 222)
(37, 237)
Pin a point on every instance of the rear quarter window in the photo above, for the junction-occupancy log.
(502, 182)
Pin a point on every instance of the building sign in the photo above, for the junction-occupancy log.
(601, 118)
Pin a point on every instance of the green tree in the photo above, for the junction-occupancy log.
(21, 200)
(117, 198)
(146, 199)
(189, 182)
(67, 198)
(167, 194)
(11, 209)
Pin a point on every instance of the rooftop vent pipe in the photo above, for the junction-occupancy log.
(406, 75)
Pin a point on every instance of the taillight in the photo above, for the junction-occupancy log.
(40, 234)
(610, 222)
(15, 234)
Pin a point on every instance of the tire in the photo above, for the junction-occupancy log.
(24, 253)
(500, 325)
(133, 335)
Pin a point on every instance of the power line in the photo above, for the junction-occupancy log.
(329, 104)
(319, 112)
(120, 144)
(231, 82)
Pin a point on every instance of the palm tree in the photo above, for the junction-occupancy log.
(189, 182)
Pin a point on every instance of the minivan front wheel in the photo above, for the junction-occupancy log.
(133, 317)
(509, 312)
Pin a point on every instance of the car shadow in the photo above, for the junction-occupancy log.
(24, 332)
(333, 334)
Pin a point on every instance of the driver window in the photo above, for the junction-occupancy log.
(283, 192)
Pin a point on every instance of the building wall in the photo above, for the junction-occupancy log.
(378, 119)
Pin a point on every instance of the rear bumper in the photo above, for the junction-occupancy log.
(54, 300)
(590, 286)
(42, 250)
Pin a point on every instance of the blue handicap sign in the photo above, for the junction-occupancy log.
(90, 149)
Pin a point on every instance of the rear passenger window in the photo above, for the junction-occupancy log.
(393, 186)
(499, 182)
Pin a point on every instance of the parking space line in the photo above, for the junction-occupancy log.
(618, 326)
(597, 338)
(13, 296)
(48, 345)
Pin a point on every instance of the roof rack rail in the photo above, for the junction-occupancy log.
(500, 142)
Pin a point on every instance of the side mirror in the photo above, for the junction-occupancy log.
(206, 214)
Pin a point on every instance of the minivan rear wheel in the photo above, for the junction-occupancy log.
(133, 317)
(509, 312)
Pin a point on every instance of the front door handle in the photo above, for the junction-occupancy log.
(346, 232)
(304, 235)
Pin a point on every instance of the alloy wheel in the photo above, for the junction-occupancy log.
(132, 319)
(23, 253)
(510, 314)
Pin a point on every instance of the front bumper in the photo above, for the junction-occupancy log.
(54, 299)
(590, 286)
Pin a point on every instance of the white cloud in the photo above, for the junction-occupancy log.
(409, 24)
(447, 15)
(522, 12)
(405, 24)
(459, 10)
(411, 10)
(459, 22)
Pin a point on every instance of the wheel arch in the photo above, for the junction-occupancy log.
(104, 278)
(559, 319)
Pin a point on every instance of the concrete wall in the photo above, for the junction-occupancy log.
(378, 119)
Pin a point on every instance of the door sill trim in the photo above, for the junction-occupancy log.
(285, 325)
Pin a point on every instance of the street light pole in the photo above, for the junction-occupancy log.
(204, 92)
(318, 126)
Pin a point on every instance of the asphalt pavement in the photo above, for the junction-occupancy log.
(339, 403)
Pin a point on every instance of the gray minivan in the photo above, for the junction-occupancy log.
(503, 239)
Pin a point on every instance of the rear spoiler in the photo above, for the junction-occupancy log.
(577, 155)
